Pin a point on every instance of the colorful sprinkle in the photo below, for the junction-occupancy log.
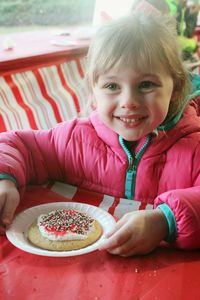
(62, 221)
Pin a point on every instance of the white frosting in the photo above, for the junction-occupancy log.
(67, 236)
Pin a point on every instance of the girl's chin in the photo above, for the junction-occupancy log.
(131, 138)
(132, 135)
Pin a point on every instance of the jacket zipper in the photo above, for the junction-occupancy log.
(133, 165)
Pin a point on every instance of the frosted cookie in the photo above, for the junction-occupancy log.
(63, 230)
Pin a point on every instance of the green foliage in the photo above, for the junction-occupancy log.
(45, 12)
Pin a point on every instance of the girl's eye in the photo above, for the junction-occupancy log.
(147, 85)
(111, 86)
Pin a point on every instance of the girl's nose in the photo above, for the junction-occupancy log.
(129, 99)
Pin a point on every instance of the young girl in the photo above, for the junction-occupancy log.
(141, 142)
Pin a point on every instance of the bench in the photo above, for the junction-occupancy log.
(39, 90)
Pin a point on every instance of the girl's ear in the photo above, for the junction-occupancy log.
(93, 105)
(92, 101)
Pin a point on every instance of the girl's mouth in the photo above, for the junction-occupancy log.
(131, 120)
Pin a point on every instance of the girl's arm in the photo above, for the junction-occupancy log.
(34, 155)
(184, 205)
(29, 156)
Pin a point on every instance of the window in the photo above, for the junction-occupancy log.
(109, 8)
(26, 15)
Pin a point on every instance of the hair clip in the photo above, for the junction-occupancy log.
(145, 7)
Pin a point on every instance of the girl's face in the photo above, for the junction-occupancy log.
(132, 103)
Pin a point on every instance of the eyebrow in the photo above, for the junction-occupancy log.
(141, 76)
(109, 77)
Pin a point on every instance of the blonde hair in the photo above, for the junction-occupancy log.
(142, 42)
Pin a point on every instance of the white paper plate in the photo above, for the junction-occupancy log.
(17, 232)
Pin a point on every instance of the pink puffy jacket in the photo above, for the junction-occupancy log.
(87, 154)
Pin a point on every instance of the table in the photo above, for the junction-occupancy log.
(165, 274)
(36, 48)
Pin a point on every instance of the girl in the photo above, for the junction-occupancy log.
(141, 142)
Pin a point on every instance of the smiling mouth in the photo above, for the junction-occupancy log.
(131, 120)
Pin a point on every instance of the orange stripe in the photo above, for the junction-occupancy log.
(80, 69)
(142, 205)
(7, 103)
(33, 95)
(50, 184)
(111, 210)
(20, 101)
(46, 96)
(89, 197)
(68, 89)
(2, 124)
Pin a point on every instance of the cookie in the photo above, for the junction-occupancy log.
(64, 230)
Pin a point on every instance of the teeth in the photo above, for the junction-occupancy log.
(130, 120)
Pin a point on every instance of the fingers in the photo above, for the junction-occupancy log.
(2, 226)
(115, 240)
(125, 249)
(117, 226)
(9, 200)
(117, 237)
(136, 233)
(7, 213)
(9, 210)
(130, 248)
(2, 230)
(120, 244)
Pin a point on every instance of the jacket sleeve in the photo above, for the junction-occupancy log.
(23, 154)
(185, 205)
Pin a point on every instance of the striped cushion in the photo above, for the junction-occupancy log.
(41, 97)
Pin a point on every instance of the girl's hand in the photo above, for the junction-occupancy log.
(137, 232)
(9, 200)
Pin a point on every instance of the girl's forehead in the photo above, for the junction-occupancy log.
(135, 71)
(141, 62)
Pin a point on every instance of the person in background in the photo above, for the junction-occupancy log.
(135, 144)
(191, 18)
(165, 7)
(144, 5)
(186, 17)
(172, 4)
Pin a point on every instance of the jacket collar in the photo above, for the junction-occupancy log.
(186, 123)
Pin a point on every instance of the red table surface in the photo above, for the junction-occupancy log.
(164, 274)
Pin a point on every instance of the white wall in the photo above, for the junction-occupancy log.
(114, 8)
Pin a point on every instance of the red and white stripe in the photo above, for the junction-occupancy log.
(42, 97)
(115, 206)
